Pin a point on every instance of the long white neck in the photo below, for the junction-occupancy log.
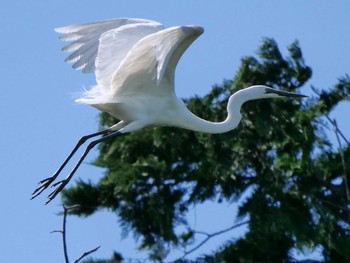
(189, 121)
(193, 122)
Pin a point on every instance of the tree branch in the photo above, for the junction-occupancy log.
(330, 120)
(86, 254)
(338, 134)
(208, 237)
(64, 231)
(341, 151)
(337, 130)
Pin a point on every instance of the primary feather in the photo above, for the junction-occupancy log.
(86, 39)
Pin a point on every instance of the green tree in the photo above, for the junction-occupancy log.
(280, 155)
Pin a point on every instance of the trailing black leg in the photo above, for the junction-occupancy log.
(43, 184)
(61, 184)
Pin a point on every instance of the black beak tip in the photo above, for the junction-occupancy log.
(296, 95)
(285, 93)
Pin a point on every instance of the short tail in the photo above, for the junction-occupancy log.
(90, 96)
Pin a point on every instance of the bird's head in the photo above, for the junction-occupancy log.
(273, 93)
(254, 93)
(262, 92)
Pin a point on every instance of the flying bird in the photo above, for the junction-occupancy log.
(134, 62)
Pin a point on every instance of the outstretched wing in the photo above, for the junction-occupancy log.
(114, 47)
(152, 60)
(86, 39)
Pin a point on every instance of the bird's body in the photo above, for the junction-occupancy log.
(139, 90)
(134, 61)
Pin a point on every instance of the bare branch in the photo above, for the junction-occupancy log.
(330, 120)
(337, 130)
(86, 254)
(341, 151)
(56, 231)
(65, 213)
(64, 231)
(326, 201)
(208, 237)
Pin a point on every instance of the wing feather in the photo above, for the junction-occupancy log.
(114, 46)
(85, 39)
(153, 60)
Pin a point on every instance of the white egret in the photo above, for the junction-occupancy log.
(134, 62)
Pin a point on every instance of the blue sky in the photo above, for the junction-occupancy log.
(41, 122)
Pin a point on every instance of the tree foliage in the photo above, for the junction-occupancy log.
(279, 157)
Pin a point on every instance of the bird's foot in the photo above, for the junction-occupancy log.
(58, 188)
(43, 184)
